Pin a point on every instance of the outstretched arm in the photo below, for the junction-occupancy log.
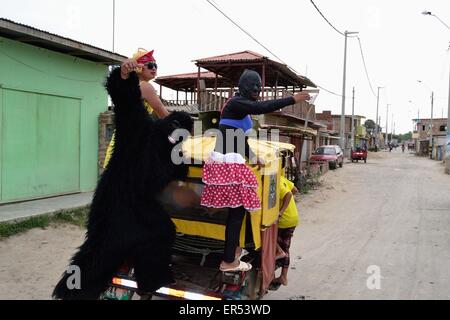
(247, 107)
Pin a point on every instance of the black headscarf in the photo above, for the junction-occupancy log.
(250, 82)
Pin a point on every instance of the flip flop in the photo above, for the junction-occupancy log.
(273, 286)
(243, 266)
(243, 254)
(281, 256)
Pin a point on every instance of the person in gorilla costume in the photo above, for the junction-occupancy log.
(126, 221)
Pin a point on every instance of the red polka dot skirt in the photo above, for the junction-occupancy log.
(229, 185)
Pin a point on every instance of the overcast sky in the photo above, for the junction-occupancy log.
(400, 44)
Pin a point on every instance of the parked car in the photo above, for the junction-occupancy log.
(331, 153)
(359, 153)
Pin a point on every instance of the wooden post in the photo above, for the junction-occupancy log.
(198, 87)
(215, 94)
(276, 86)
(160, 91)
(177, 98)
(186, 96)
(263, 81)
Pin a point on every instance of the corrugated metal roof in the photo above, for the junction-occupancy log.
(43, 39)
(188, 81)
(246, 55)
(231, 66)
(192, 75)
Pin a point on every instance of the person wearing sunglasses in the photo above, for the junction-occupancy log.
(146, 68)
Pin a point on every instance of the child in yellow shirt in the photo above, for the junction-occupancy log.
(288, 221)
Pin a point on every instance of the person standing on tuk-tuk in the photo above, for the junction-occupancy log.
(229, 183)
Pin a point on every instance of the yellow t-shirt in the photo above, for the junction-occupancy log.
(290, 218)
(110, 149)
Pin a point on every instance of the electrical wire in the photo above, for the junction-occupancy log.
(365, 67)
(42, 71)
(245, 31)
(214, 5)
(318, 10)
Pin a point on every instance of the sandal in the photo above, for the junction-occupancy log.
(273, 286)
(281, 256)
(243, 254)
(243, 266)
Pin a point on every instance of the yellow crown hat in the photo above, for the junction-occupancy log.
(142, 56)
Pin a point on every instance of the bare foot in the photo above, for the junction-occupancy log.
(281, 280)
(226, 265)
(238, 252)
(281, 256)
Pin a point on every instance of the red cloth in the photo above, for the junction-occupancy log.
(229, 185)
(268, 254)
(146, 58)
(228, 174)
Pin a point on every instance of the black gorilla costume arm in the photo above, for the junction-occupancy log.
(142, 141)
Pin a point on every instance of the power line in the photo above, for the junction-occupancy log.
(360, 46)
(243, 30)
(318, 10)
(333, 93)
(268, 50)
(44, 72)
(365, 67)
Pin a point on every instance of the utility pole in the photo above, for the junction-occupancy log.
(342, 126)
(392, 126)
(431, 125)
(353, 121)
(376, 119)
(114, 24)
(447, 157)
(387, 116)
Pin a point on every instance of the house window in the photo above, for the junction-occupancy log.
(443, 128)
(423, 127)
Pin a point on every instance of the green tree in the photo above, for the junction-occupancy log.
(370, 126)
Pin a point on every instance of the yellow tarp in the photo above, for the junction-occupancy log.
(200, 147)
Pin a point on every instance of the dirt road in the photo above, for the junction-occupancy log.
(392, 213)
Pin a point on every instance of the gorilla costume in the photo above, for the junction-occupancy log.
(126, 221)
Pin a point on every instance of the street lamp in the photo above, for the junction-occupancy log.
(342, 127)
(447, 159)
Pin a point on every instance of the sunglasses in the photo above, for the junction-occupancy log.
(152, 65)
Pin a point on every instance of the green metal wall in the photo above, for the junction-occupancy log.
(49, 107)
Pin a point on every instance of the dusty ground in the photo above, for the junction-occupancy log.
(393, 212)
(31, 263)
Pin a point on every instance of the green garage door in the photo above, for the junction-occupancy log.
(40, 141)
